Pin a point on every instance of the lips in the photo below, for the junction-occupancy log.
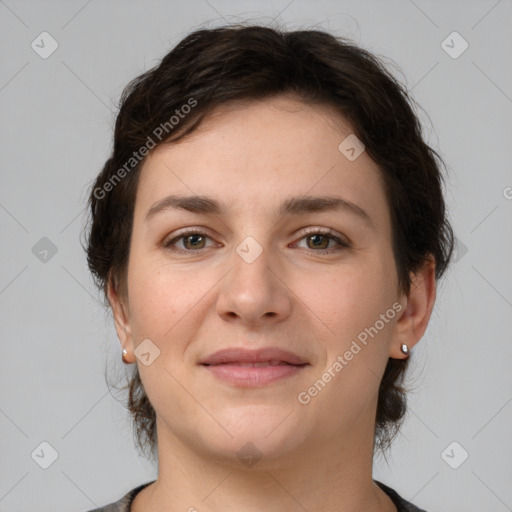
(253, 358)
(244, 368)
(259, 364)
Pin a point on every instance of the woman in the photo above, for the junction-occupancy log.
(268, 231)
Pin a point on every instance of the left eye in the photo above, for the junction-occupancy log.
(321, 240)
(194, 241)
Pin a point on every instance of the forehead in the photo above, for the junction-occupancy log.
(249, 154)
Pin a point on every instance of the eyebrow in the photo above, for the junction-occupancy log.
(293, 206)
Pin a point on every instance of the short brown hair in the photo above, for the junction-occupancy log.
(249, 63)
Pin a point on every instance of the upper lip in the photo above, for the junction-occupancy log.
(241, 355)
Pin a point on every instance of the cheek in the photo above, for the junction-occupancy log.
(168, 304)
(357, 293)
(355, 347)
(157, 299)
(350, 302)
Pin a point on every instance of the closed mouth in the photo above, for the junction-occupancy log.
(254, 364)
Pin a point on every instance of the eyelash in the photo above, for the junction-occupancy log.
(332, 235)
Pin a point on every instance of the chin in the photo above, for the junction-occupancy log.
(261, 437)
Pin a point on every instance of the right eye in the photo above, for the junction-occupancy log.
(192, 241)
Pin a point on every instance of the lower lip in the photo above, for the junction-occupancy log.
(253, 376)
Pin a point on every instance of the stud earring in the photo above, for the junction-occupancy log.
(125, 352)
(404, 349)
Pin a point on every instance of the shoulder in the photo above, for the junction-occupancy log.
(402, 505)
(124, 503)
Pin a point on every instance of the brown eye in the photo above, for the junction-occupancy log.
(319, 241)
(195, 241)
(191, 241)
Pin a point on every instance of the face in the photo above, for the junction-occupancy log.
(260, 271)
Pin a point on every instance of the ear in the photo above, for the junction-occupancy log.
(119, 304)
(419, 303)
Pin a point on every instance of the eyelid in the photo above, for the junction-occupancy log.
(324, 231)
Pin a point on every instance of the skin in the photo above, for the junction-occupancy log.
(316, 456)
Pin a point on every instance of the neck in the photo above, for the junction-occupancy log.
(330, 476)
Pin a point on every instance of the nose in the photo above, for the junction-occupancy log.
(255, 291)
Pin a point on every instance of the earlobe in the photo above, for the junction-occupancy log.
(121, 315)
(414, 319)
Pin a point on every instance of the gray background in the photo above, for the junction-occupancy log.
(56, 125)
